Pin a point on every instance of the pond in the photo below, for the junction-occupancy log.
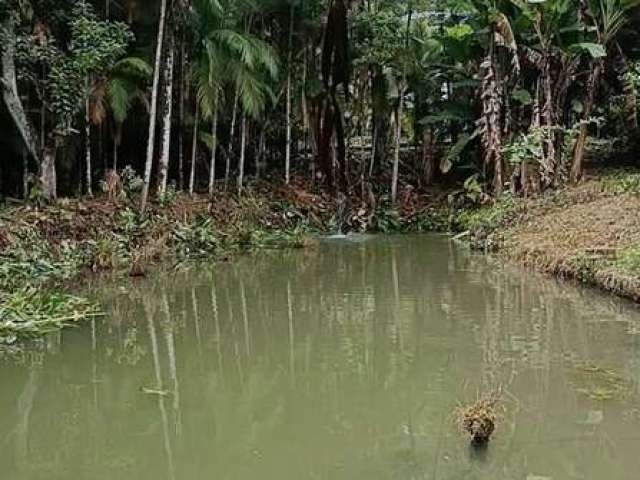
(343, 361)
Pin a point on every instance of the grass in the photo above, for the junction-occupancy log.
(587, 232)
(31, 312)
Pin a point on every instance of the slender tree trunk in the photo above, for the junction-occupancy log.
(396, 154)
(117, 139)
(261, 149)
(183, 87)
(214, 148)
(153, 108)
(115, 156)
(243, 148)
(305, 115)
(550, 167)
(87, 138)
(163, 171)
(374, 142)
(396, 158)
(289, 74)
(232, 131)
(25, 174)
(194, 151)
(581, 141)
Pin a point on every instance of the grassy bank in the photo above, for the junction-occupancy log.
(589, 233)
(43, 249)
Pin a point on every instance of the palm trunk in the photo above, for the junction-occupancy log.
(260, 155)
(396, 155)
(87, 138)
(194, 151)
(153, 108)
(396, 158)
(243, 148)
(232, 131)
(115, 156)
(214, 148)
(287, 156)
(183, 87)
(163, 171)
(117, 139)
(25, 174)
(579, 147)
(550, 167)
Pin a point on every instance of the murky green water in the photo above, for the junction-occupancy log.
(343, 362)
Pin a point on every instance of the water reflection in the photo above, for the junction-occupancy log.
(343, 362)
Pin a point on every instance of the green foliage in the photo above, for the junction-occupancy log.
(197, 238)
(629, 260)
(31, 312)
(622, 182)
(168, 197)
(388, 220)
(80, 45)
(489, 217)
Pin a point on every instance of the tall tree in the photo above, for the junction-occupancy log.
(153, 108)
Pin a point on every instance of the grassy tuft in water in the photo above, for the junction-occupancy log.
(30, 312)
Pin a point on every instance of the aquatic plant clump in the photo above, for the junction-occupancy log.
(31, 312)
(478, 420)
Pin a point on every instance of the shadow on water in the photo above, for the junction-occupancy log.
(293, 365)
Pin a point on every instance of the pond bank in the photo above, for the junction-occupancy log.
(589, 233)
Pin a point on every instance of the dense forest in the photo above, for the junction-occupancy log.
(353, 96)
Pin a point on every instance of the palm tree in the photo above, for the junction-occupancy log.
(607, 19)
(229, 55)
(127, 83)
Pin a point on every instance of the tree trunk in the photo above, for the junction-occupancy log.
(115, 156)
(490, 122)
(163, 171)
(10, 94)
(374, 141)
(87, 138)
(396, 155)
(548, 113)
(153, 108)
(117, 138)
(214, 148)
(261, 149)
(183, 87)
(428, 155)
(25, 174)
(243, 148)
(581, 141)
(48, 180)
(232, 132)
(194, 150)
(288, 120)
